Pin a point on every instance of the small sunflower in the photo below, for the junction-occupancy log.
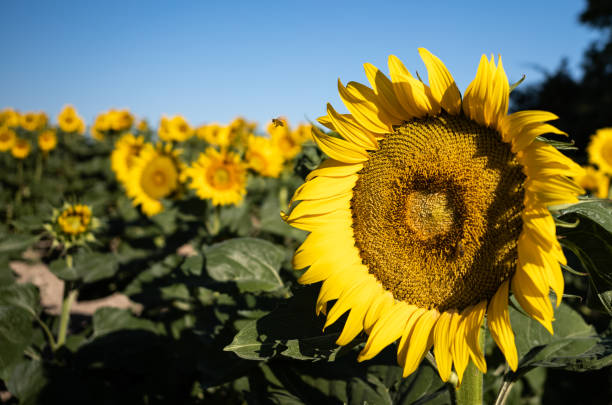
(219, 176)
(75, 219)
(7, 139)
(120, 120)
(69, 121)
(127, 149)
(21, 148)
(47, 140)
(595, 181)
(32, 121)
(429, 210)
(72, 225)
(154, 175)
(9, 118)
(174, 129)
(600, 150)
(264, 157)
(216, 134)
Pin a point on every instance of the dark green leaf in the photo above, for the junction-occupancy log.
(107, 320)
(26, 381)
(252, 264)
(87, 266)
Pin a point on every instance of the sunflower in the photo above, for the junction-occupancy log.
(69, 121)
(595, 181)
(600, 150)
(21, 148)
(127, 149)
(264, 157)
(219, 176)
(154, 175)
(174, 129)
(33, 121)
(7, 139)
(9, 118)
(216, 134)
(47, 140)
(74, 219)
(429, 210)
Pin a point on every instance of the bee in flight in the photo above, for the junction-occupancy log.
(278, 122)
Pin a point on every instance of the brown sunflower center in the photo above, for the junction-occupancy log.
(437, 212)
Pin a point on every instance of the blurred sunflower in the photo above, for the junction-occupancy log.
(127, 149)
(263, 156)
(33, 121)
(428, 210)
(72, 225)
(600, 150)
(7, 139)
(9, 118)
(21, 148)
(219, 176)
(217, 135)
(47, 140)
(120, 120)
(154, 175)
(174, 129)
(69, 121)
(595, 181)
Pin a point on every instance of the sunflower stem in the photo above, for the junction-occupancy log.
(471, 389)
(65, 317)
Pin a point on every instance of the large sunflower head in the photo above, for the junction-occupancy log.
(600, 150)
(47, 140)
(70, 121)
(264, 156)
(218, 176)
(429, 210)
(21, 148)
(127, 149)
(7, 139)
(154, 176)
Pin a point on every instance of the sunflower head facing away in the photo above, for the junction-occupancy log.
(127, 149)
(429, 210)
(154, 176)
(600, 150)
(21, 148)
(264, 157)
(218, 176)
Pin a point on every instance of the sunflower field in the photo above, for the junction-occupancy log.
(425, 245)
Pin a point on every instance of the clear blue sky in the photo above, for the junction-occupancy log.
(212, 61)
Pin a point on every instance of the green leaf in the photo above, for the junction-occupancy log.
(253, 264)
(290, 331)
(16, 243)
(574, 345)
(107, 320)
(591, 242)
(87, 266)
(19, 305)
(27, 381)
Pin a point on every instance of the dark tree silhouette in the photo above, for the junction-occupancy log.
(583, 105)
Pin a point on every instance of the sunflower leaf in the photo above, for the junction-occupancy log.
(253, 264)
(575, 344)
(591, 242)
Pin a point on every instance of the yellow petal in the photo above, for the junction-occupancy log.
(324, 187)
(334, 168)
(442, 85)
(459, 350)
(419, 341)
(364, 109)
(388, 329)
(442, 345)
(379, 306)
(339, 149)
(321, 206)
(352, 132)
(496, 106)
(536, 304)
(354, 322)
(383, 88)
(529, 133)
(411, 93)
(473, 321)
(540, 160)
(513, 124)
(499, 325)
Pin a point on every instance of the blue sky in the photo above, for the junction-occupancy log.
(212, 61)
